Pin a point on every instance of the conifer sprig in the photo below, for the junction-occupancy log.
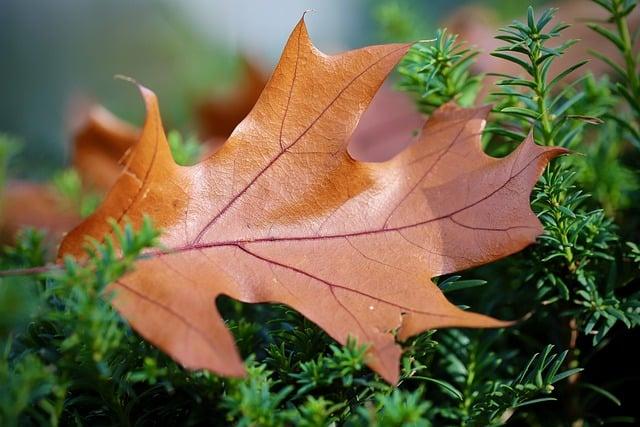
(628, 75)
(535, 98)
(437, 71)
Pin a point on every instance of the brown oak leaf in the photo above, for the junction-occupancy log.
(387, 127)
(30, 204)
(282, 213)
(218, 117)
(100, 143)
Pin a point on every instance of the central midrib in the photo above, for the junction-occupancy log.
(207, 245)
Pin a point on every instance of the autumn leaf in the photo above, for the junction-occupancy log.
(99, 145)
(389, 125)
(31, 204)
(218, 117)
(101, 142)
(282, 213)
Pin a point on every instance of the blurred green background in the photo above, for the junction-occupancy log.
(59, 53)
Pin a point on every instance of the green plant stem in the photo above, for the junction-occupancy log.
(629, 58)
(31, 271)
(572, 408)
(541, 97)
(467, 403)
